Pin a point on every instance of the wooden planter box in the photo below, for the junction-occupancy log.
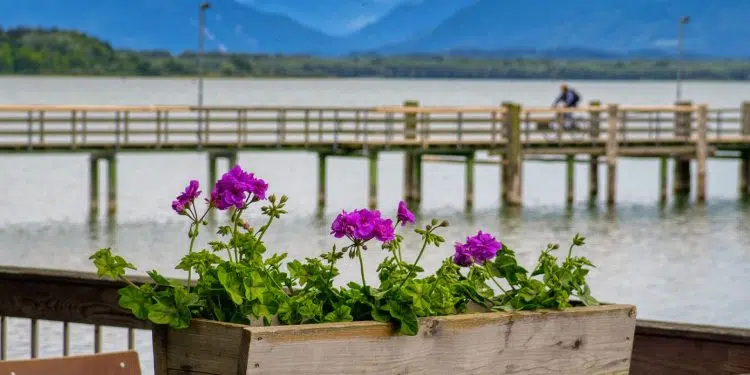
(579, 340)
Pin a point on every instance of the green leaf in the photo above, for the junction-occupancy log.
(405, 316)
(232, 284)
(158, 279)
(137, 300)
(162, 313)
(199, 261)
(341, 313)
(109, 265)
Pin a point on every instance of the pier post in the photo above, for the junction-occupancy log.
(417, 179)
(93, 187)
(410, 133)
(111, 184)
(212, 169)
(744, 180)
(701, 152)
(512, 161)
(663, 176)
(372, 196)
(594, 126)
(682, 129)
(321, 180)
(470, 161)
(613, 114)
(570, 179)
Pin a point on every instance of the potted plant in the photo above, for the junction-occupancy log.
(245, 310)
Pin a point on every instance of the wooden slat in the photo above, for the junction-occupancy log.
(675, 349)
(585, 340)
(63, 296)
(116, 363)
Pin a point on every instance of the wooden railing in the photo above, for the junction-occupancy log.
(31, 127)
(64, 298)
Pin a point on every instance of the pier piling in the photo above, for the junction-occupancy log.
(570, 178)
(410, 133)
(372, 196)
(93, 187)
(512, 160)
(701, 152)
(611, 150)
(594, 131)
(663, 176)
(213, 169)
(111, 159)
(470, 163)
(321, 180)
(111, 184)
(682, 129)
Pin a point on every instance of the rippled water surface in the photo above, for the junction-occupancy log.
(682, 263)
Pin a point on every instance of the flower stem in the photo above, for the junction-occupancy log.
(493, 279)
(570, 251)
(411, 270)
(330, 270)
(361, 265)
(193, 236)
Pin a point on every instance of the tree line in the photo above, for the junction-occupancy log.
(27, 51)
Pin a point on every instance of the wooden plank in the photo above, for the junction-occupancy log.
(115, 363)
(675, 349)
(586, 340)
(63, 296)
(206, 347)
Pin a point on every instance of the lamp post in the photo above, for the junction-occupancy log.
(201, 41)
(684, 20)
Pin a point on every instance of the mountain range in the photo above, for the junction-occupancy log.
(581, 28)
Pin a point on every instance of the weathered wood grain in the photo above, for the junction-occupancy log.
(584, 340)
(63, 296)
(675, 349)
(115, 363)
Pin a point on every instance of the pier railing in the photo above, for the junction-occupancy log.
(39, 308)
(55, 127)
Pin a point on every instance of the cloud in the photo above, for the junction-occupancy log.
(222, 48)
(664, 43)
(360, 22)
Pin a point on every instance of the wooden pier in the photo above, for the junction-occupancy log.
(64, 298)
(509, 133)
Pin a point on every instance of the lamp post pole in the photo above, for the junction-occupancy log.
(684, 20)
(201, 41)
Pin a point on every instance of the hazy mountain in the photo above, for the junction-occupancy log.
(717, 28)
(171, 25)
(582, 28)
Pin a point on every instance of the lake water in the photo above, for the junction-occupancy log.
(678, 263)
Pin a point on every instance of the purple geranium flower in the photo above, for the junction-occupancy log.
(186, 197)
(478, 249)
(231, 188)
(362, 225)
(404, 215)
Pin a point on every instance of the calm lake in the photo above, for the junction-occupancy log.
(678, 263)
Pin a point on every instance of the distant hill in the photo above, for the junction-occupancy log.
(60, 52)
(576, 29)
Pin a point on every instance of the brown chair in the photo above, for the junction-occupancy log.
(116, 363)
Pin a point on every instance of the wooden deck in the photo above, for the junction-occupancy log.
(174, 128)
(71, 297)
(686, 133)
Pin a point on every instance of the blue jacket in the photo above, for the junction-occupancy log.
(568, 98)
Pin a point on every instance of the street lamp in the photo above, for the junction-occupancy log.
(684, 20)
(201, 41)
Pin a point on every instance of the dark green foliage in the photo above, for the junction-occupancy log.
(52, 51)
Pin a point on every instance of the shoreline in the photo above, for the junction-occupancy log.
(359, 78)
